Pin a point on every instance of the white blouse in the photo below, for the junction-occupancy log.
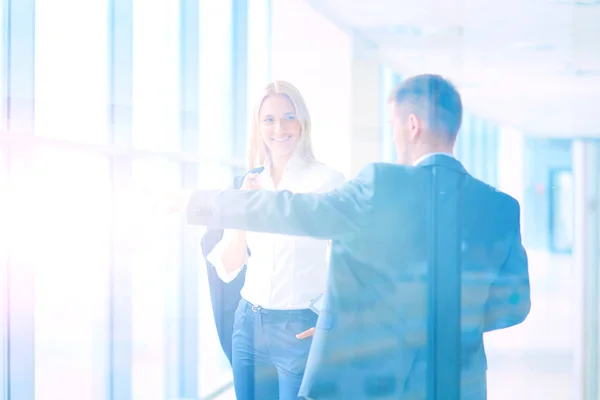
(284, 272)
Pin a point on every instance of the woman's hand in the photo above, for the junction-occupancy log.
(306, 334)
(250, 182)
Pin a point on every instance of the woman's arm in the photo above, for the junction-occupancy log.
(235, 253)
(230, 254)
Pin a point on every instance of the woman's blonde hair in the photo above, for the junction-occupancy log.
(257, 150)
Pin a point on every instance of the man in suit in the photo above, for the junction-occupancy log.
(370, 340)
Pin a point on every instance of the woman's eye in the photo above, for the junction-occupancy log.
(290, 117)
(268, 120)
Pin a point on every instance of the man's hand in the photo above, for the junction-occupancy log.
(172, 203)
(306, 334)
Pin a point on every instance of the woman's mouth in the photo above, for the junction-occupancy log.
(281, 139)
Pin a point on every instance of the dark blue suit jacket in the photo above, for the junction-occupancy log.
(371, 335)
(223, 296)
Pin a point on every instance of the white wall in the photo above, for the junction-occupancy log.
(316, 56)
(366, 140)
(511, 164)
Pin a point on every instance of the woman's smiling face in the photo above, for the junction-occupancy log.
(279, 125)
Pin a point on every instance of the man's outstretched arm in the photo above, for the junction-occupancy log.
(328, 215)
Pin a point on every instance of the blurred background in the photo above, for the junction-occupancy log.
(104, 100)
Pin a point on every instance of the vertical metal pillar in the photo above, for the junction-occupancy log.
(586, 173)
(19, 55)
(120, 45)
(188, 279)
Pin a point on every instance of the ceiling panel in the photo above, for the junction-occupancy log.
(531, 64)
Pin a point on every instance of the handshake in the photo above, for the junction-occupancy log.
(172, 203)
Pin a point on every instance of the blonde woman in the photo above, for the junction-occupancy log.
(282, 273)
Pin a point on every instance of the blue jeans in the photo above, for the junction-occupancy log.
(268, 359)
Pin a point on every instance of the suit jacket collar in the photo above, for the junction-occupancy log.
(441, 160)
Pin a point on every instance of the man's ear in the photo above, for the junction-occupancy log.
(414, 126)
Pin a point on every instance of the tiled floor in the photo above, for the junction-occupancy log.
(535, 360)
(530, 376)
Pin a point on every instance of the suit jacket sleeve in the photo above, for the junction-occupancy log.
(509, 299)
(329, 215)
(213, 236)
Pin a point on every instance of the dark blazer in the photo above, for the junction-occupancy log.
(371, 335)
(223, 296)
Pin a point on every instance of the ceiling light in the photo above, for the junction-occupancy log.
(533, 46)
(581, 3)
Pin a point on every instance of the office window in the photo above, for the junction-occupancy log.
(561, 211)
(156, 108)
(216, 146)
(155, 267)
(66, 191)
(71, 258)
(215, 113)
(214, 370)
(71, 69)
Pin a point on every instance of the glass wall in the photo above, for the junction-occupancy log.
(72, 235)
(71, 275)
(216, 90)
(71, 70)
(132, 99)
(218, 138)
(155, 74)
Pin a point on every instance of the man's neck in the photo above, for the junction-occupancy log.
(424, 154)
(425, 151)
